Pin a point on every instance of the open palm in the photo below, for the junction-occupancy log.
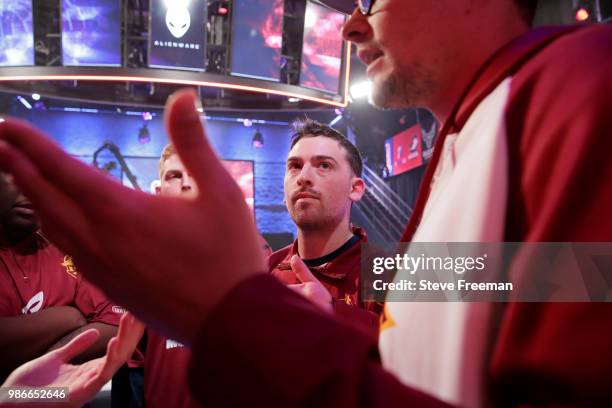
(85, 380)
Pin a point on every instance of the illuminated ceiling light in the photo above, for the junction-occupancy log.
(36, 96)
(258, 140)
(222, 10)
(2, 120)
(582, 14)
(24, 101)
(294, 100)
(247, 122)
(144, 136)
(311, 18)
(147, 116)
(361, 90)
(336, 120)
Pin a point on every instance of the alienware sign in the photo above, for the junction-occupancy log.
(177, 34)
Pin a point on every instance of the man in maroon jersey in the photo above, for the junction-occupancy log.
(322, 181)
(44, 300)
(166, 362)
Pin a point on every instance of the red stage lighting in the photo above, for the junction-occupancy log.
(582, 14)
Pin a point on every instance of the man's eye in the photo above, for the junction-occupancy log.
(292, 166)
(325, 165)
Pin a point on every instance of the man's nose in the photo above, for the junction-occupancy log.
(356, 29)
(305, 176)
(187, 184)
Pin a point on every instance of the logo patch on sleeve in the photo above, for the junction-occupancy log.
(170, 344)
(69, 265)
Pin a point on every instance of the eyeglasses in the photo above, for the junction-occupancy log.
(365, 6)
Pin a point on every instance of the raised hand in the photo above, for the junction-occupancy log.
(85, 380)
(310, 287)
(169, 260)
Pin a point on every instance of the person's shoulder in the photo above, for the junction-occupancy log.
(591, 40)
(568, 78)
(580, 54)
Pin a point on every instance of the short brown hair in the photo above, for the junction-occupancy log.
(311, 128)
(165, 155)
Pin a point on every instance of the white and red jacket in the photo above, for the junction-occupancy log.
(526, 156)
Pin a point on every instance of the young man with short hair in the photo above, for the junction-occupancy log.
(322, 182)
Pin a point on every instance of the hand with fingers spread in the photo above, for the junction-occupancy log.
(83, 381)
(310, 287)
(139, 247)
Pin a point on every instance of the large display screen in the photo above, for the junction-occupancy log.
(403, 151)
(322, 48)
(91, 32)
(16, 33)
(177, 34)
(257, 36)
(242, 172)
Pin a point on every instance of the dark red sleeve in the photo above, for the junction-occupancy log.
(364, 320)
(267, 346)
(560, 351)
(95, 306)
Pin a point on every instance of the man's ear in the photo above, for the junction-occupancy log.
(156, 187)
(358, 189)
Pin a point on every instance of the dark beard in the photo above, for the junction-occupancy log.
(16, 232)
(409, 88)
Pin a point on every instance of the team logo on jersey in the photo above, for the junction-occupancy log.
(170, 344)
(69, 265)
(34, 304)
(386, 321)
(119, 309)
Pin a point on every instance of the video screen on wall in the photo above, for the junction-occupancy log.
(242, 171)
(91, 32)
(257, 36)
(16, 33)
(322, 48)
(403, 151)
(177, 34)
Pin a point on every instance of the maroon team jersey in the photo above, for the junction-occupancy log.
(166, 367)
(339, 272)
(36, 276)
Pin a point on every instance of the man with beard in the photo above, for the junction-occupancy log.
(44, 300)
(322, 181)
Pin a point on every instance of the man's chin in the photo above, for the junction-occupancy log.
(23, 225)
(306, 222)
(384, 97)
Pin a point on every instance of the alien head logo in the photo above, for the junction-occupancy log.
(178, 19)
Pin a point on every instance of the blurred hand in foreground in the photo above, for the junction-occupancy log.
(310, 287)
(83, 381)
(168, 260)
